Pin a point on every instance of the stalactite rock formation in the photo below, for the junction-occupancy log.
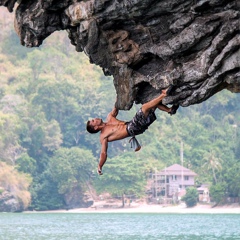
(146, 45)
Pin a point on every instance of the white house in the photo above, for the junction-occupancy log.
(172, 180)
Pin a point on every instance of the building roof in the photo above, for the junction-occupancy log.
(177, 169)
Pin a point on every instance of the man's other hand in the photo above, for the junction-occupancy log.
(99, 171)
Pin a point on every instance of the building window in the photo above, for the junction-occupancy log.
(174, 177)
(186, 178)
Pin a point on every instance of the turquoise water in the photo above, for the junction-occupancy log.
(124, 226)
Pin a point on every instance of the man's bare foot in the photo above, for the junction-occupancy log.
(173, 109)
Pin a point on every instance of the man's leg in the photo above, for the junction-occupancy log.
(146, 107)
(171, 110)
(163, 107)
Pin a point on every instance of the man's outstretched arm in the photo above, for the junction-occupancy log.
(114, 112)
(103, 155)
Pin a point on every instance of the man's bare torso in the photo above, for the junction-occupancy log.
(114, 130)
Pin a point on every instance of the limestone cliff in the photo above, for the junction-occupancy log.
(9, 202)
(146, 45)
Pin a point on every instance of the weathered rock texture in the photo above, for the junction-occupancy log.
(146, 45)
(9, 202)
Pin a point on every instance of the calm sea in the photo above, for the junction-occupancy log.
(123, 226)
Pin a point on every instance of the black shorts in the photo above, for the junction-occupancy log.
(139, 123)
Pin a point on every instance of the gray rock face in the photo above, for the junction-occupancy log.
(9, 203)
(146, 45)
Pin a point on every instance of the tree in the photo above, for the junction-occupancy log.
(123, 175)
(212, 163)
(237, 145)
(26, 164)
(191, 197)
(217, 192)
(67, 102)
(10, 149)
(67, 173)
(10, 46)
(53, 136)
(38, 135)
(232, 178)
(70, 167)
(36, 60)
(44, 192)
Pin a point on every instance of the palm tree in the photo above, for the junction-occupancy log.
(212, 162)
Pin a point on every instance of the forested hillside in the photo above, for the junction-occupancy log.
(46, 96)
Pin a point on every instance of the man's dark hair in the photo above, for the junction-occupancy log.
(90, 128)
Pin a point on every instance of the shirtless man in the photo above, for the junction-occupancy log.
(114, 129)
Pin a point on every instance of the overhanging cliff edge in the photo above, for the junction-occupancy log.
(146, 45)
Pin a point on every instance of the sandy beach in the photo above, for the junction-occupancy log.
(163, 209)
(146, 208)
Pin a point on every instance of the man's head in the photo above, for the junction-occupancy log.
(93, 126)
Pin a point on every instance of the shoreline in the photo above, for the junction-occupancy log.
(144, 208)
